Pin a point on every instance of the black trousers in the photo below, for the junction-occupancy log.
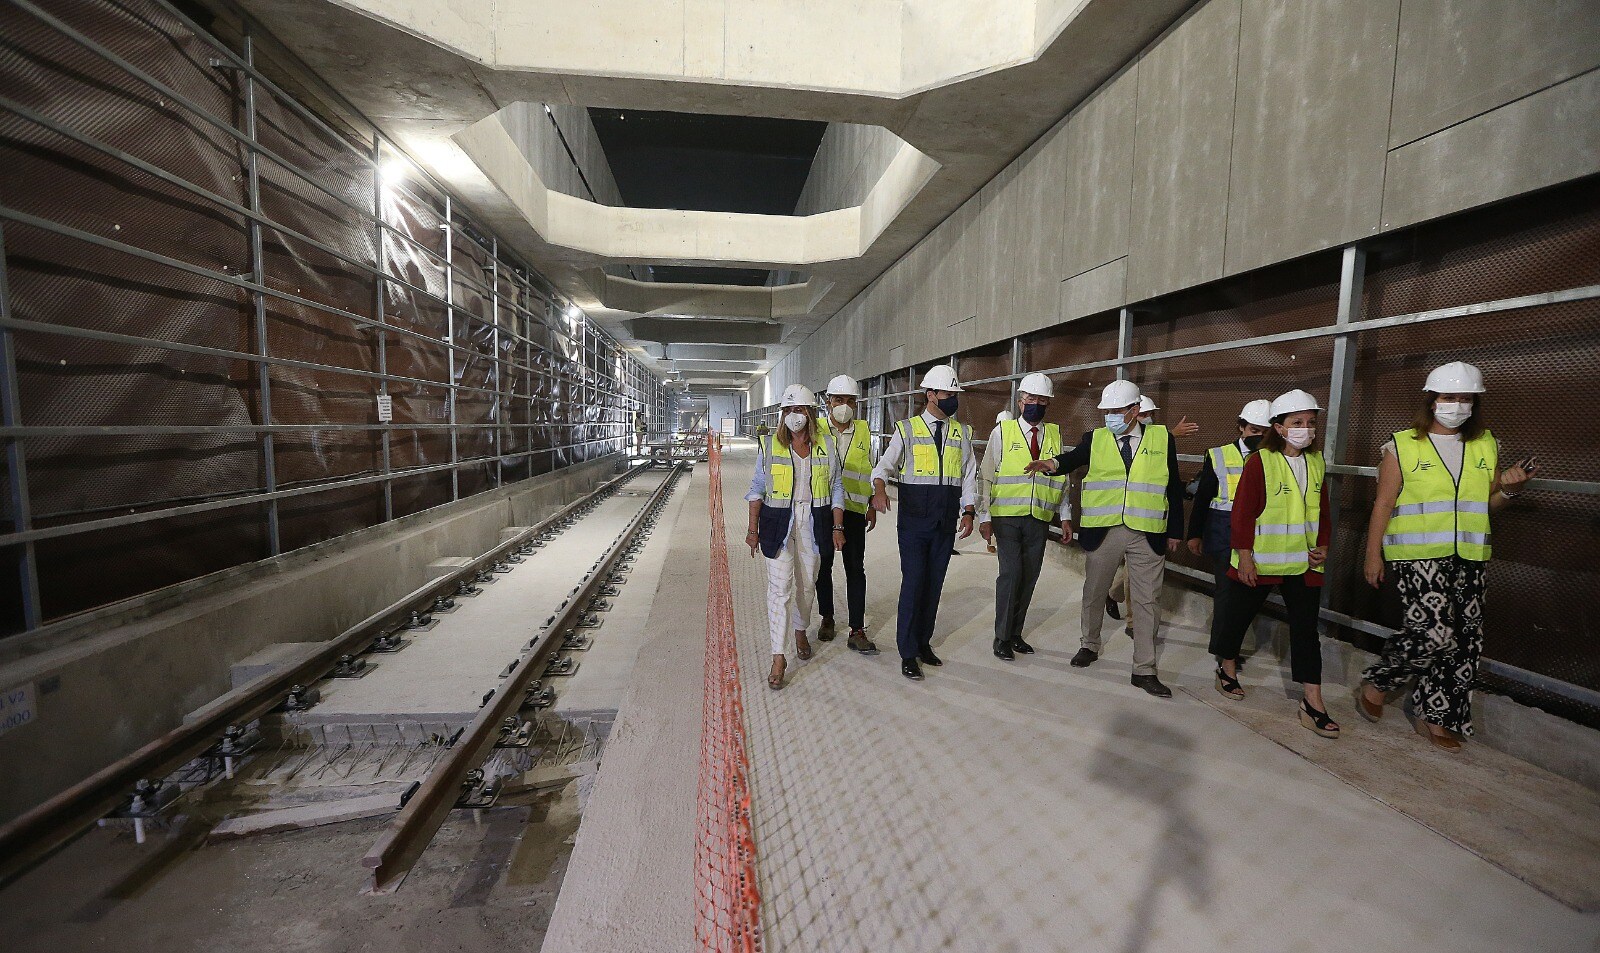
(855, 569)
(1020, 542)
(1237, 606)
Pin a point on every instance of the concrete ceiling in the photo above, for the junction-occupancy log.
(423, 92)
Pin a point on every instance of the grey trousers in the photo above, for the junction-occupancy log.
(1020, 541)
(1146, 569)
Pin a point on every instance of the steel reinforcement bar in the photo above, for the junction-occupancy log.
(35, 835)
(409, 833)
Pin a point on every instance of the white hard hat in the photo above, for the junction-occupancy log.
(941, 377)
(1119, 394)
(798, 395)
(1038, 385)
(1456, 377)
(1003, 416)
(1292, 403)
(844, 386)
(1258, 412)
(1146, 404)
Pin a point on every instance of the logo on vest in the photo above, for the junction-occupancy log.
(1282, 489)
(1483, 463)
(1422, 465)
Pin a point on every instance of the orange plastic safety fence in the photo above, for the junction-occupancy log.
(728, 914)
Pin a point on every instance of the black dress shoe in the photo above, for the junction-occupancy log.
(1003, 650)
(1084, 657)
(910, 669)
(1112, 609)
(927, 657)
(1020, 647)
(1152, 685)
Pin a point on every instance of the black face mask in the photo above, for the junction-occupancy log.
(948, 405)
(1253, 441)
(1033, 413)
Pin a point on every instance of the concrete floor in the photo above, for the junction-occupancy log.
(1031, 806)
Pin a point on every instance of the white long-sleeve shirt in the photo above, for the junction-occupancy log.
(889, 462)
(991, 466)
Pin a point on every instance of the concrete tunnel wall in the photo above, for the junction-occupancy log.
(1249, 133)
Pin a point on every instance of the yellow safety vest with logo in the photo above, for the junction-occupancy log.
(1288, 525)
(925, 468)
(1228, 464)
(1437, 516)
(780, 474)
(1114, 495)
(1017, 493)
(857, 466)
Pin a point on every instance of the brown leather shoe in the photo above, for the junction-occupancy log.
(860, 643)
(1444, 742)
(826, 631)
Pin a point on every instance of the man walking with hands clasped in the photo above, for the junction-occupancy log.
(1132, 508)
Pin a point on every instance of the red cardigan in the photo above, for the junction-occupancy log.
(1248, 502)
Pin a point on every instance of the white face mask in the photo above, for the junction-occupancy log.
(1299, 437)
(796, 422)
(1452, 415)
(842, 414)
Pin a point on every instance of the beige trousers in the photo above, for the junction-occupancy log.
(1146, 569)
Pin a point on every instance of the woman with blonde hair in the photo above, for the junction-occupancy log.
(796, 495)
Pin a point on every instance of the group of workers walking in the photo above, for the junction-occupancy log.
(1260, 516)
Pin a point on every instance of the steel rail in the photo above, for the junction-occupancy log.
(34, 836)
(410, 832)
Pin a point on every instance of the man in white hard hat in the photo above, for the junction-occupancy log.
(1016, 509)
(854, 449)
(1119, 582)
(1132, 509)
(1209, 522)
(938, 492)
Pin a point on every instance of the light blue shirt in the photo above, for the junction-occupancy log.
(758, 480)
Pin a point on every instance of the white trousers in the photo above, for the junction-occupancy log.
(792, 581)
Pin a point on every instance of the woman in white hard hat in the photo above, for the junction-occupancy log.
(852, 440)
(1279, 528)
(795, 494)
(1437, 484)
(1209, 523)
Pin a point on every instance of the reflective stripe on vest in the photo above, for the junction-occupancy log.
(1435, 515)
(925, 459)
(1228, 464)
(857, 475)
(780, 474)
(1016, 493)
(1288, 525)
(1136, 497)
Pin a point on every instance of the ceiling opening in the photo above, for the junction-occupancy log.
(708, 163)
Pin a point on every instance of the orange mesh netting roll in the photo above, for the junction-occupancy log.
(728, 914)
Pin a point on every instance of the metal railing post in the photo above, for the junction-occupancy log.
(258, 275)
(1341, 375)
(1124, 341)
(18, 502)
(450, 350)
(380, 291)
(499, 384)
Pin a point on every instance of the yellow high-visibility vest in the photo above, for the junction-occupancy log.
(1288, 525)
(857, 464)
(1228, 463)
(1136, 496)
(780, 474)
(925, 469)
(1017, 493)
(1435, 515)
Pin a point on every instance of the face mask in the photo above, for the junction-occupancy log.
(1452, 415)
(842, 414)
(1300, 437)
(1143, 419)
(1033, 413)
(1117, 424)
(796, 422)
(948, 405)
(1253, 441)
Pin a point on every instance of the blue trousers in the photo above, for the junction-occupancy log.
(925, 545)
